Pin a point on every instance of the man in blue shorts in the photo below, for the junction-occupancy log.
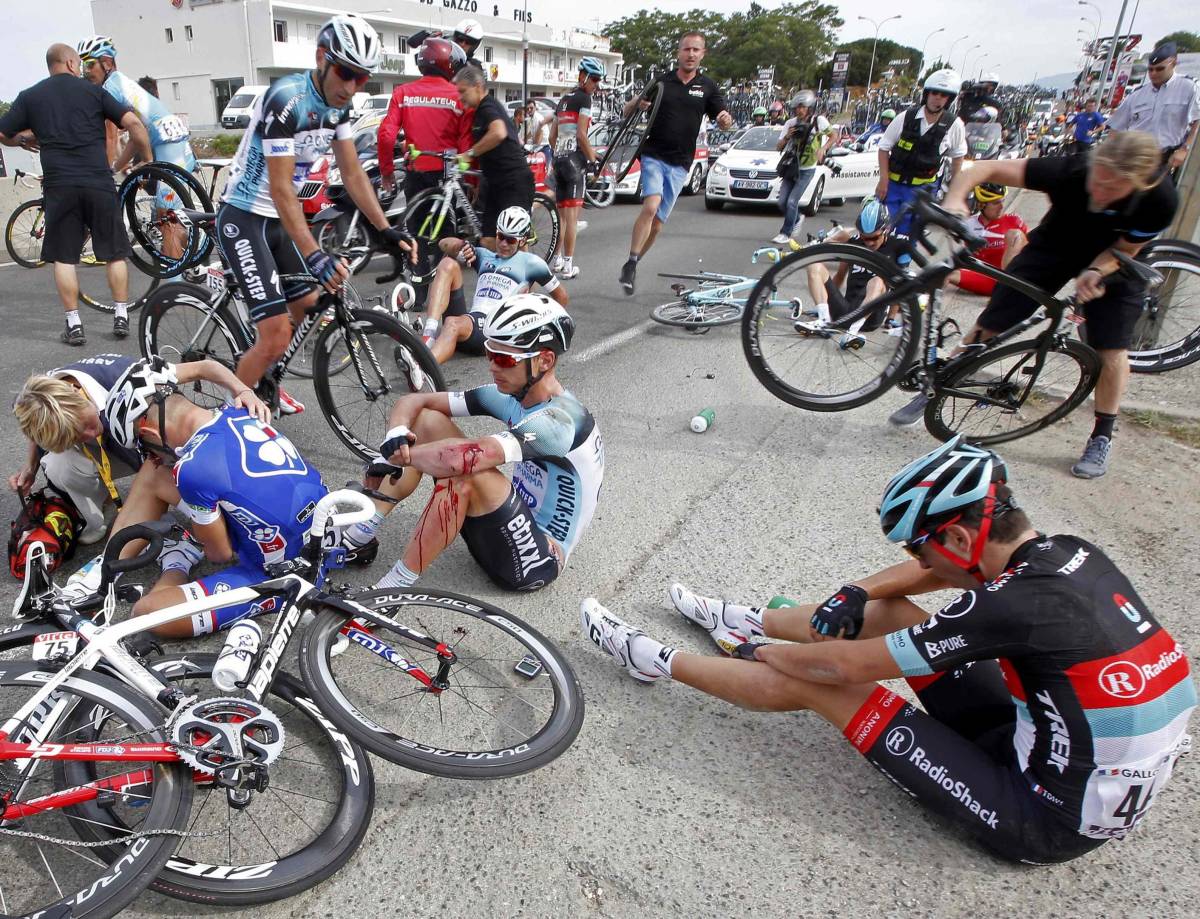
(670, 148)
(522, 531)
(1054, 705)
(504, 272)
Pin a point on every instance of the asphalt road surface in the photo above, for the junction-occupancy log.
(670, 803)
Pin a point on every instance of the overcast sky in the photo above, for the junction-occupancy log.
(1022, 38)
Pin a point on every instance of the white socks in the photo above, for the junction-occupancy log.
(362, 533)
(73, 320)
(651, 656)
(399, 576)
(122, 310)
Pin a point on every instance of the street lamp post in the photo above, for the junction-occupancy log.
(966, 55)
(1112, 49)
(921, 66)
(950, 55)
(979, 64)
(874, 44)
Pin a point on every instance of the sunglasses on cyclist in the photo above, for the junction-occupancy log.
(506, 360)
(873, 238)
(504, 237)
(349, 73)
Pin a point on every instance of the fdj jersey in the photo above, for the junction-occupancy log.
(575, 105)
(168, 134)
(237, 467)
(291, 119)
(558, 453)
(500, 278)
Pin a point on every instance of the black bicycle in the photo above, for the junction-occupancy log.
(361, 360)
(994, 391)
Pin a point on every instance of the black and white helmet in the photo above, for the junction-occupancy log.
(351, 40)
(513, 221)
(145, 383)
(96, 47)
(531, 321)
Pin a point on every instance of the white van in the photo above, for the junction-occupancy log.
(237, 113)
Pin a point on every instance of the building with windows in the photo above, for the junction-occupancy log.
(202, 51)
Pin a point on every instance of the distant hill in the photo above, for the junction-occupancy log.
(1058, 81)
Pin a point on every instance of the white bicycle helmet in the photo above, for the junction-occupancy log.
(530, 321)
(513, 221)
(804, 97)
(468, 32)
(992, 78)
(97, 46)
(943, 81)
(145, 383)
(351, 40)
(950, 478)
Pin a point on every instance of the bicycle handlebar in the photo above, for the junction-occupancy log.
(362, 510)
(153, 532)
(957, 227)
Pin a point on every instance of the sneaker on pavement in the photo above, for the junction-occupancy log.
(911, 413)
(628, 277)
(780, 239)
(812, 328)
(412, 370)
(614, 638)
(1094, 462)
(120, 326)
(289, 405)
(851, 341)
(709, 614)
(73, 335)
(567, 275)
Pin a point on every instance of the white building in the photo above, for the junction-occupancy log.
(201, 51)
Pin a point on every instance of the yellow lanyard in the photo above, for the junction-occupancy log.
(104, 467)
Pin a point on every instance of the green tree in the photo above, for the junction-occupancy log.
(860, 61)
(1187, 42)
(4, 107)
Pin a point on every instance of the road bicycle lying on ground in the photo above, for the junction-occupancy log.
(108, 763)
(716, 299)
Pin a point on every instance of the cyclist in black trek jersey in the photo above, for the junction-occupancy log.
(573, 155)
(1055, 704)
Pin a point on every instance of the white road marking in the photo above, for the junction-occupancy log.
(604, 345)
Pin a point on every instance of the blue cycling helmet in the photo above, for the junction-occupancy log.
(873, 217)
(948, 479)
(592, 67)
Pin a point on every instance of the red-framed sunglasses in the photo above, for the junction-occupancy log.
(507, 360)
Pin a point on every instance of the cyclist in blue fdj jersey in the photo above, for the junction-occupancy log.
(169, 136)
(246, 490)
(1055, 705)
(504, 272)
(521, 532)
(262, 230)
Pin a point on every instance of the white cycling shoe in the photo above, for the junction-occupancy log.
(615, 638)
(709, 614)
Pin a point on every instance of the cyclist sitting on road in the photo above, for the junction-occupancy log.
(758, 117)
(503, 272)
(169, 136)
(62, 414)
(573, 155)
(245, 489)
(1115, 198)
(1005, 235)
(508, 182)
(520, 532)
(1055, 705)
(261, 227)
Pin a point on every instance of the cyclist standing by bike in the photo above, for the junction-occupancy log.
(1116, 198)
(670, 147)
(169, 138)
(261, 227)
(1054, 704)
(914, 145)
(573, 155)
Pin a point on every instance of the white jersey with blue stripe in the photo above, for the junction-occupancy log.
(168, 134)
(558, 453)
(501, 278)
(290, 119)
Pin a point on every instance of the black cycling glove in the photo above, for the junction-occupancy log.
(394, 236)
(396, 438)
(842, 613)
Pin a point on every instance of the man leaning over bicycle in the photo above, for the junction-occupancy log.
(261, 227)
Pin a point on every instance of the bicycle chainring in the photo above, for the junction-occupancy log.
(213, 734)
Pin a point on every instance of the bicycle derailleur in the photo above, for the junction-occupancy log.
(233, 740)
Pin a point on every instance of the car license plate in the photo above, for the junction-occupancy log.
(751, 184)
(55, 644)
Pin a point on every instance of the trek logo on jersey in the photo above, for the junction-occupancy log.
(264, 535)
(265, 452)
(938, 648)
(1132, 613)
(1075, 563)
(1060, 738)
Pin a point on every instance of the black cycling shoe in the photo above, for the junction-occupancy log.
(73, 335)
(628, 277)
(120, 326)
(361, 556)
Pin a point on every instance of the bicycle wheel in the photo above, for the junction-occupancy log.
(385, 360)
(690, 314)
(1008, 392)
(180, 323)
(24, 233)
(426, 224)
(627, 143)
(297, 833)
(152, 236)
(52, 871)
(490, 721)
(354, 245)
(543, 227)
(600, 190)
(1167, 336)
(836, 367)
(93, 277)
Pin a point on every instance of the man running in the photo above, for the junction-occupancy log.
(670, 147)
(1054, 703)
(522, 531)
(1086, 127)
(574, 156)
(503, 272)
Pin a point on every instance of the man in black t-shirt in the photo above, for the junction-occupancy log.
(507, 181)
(66, 115)
(1112, 199)
(666, 157)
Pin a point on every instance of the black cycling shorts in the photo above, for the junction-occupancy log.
(840, 305)
(259, 251)
(457, 306)
(510, 547)
(957, 759)
(72, 213)
(515, 190)
(1110, 319)
(570, 176)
